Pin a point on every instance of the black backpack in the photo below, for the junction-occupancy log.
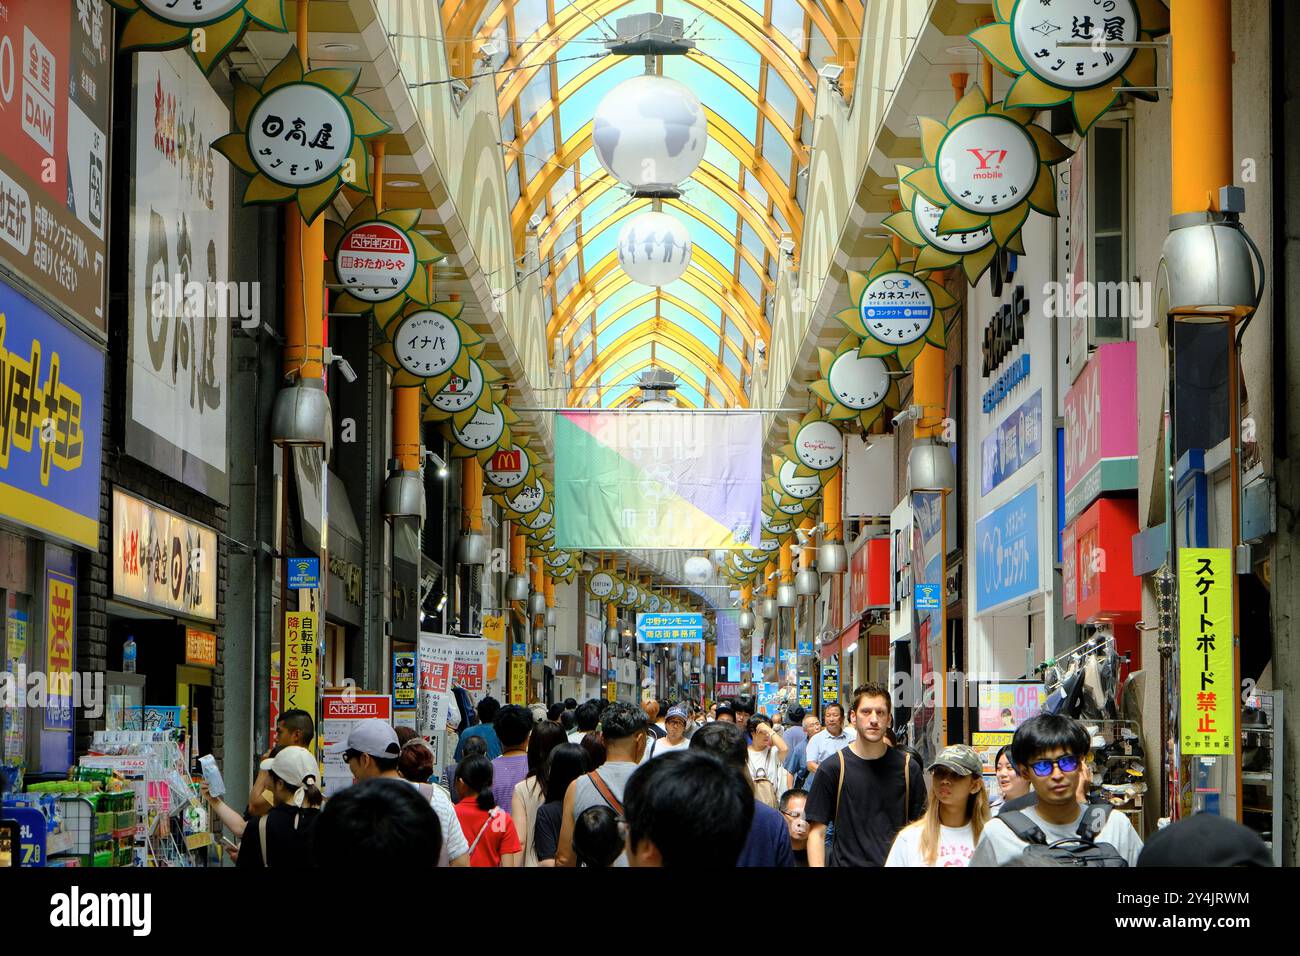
(1079, 850)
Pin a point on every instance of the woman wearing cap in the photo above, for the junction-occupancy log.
(283, 838)
(675, 737)
(956, 814)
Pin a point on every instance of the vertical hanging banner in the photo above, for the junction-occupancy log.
(301, 645)
(518, 680)
(61, 625)
(657, 480)
(1208, 714)
(437, 658)
(469, 668)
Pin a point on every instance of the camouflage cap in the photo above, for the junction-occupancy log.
(960, 759)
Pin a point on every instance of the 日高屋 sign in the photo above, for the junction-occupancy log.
(670, 628)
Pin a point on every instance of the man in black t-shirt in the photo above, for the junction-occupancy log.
(868, 789)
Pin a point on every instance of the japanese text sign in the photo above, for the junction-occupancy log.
(61, 625)
(1208, 693)
(670, 628)
(162, 559)
(302, 644)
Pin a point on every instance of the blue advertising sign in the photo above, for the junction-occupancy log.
(1006, 557)
(684, 628)
(805, 648)
(31, 834)
(927, 597)
(51, 423)
(518, 650)
(1013, 444)
(304, 574)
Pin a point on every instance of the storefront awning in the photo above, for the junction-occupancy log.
(843, 639)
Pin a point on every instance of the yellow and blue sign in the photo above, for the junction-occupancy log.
(304, 574)
(683, 628)
(51, 423)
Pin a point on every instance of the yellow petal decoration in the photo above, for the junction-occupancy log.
(416, 290)
(876, 343)
(208, 41)
(1042, 73)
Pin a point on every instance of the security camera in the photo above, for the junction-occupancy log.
(761, 347)
(910, 414)
(345, 367)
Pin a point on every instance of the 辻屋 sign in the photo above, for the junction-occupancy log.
(61, 625)
(1208, 716)
(302, 643)
(55, 85)
(200, 648)
(162, 559)
(51, 406)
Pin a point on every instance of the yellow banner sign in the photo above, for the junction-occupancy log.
(1209, 696)
(302, 644)
(518, 681)
(611, 692)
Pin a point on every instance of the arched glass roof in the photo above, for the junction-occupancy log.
(755, 71)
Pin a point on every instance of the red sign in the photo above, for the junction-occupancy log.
(506, 461)
(593, 658)
(727, 690)
(869, 575)
(1107, 588)
(200, 648)
(375, 261)
(356, 707)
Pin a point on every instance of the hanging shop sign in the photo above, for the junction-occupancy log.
(381, 262)
(1207, 716)
(200, 648)
(60, 634)
(1107, 589)
(682, 628)
(1101, 440)
(830, 684)
(163, 560)
(207, 28)
(484, 433)
(302, 647)
(404, 680)
(55, 85)
(917, 223)
(1013, 444)
(816, 444)
(184, 304)
(518, 681)
(1024, 41)
(51, 414)
(855, 386)
(987, 166)
(591, 663)
(1069, 571)
(799, 488)
(1006, 556)
(509, 467)
(528, 500)
(426, 343)
(469, 665)
(461, 397)
(301, 136)
(898, 311)
(869, 575)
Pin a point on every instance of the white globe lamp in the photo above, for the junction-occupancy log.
(649, 133)
(654, 248)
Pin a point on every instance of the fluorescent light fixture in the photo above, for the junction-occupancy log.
(851, 648)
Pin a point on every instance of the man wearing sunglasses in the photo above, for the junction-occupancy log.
(1050, 750)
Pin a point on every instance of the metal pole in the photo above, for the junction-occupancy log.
(1234, 468)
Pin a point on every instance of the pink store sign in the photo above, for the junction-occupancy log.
(1101, 440)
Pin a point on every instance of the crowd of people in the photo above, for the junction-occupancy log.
(603, 784)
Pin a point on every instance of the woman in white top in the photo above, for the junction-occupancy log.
(954, 818)
(529, 792)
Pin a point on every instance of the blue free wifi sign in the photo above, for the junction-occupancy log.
(304, 573)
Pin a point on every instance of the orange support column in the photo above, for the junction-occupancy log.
(1201, 107)
(304, 274)
(833, 506)
(471, 494)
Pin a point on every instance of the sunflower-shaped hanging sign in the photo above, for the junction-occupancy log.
(207, 28)
(899, 311)
(459, 397)
(511, 467)
(428, 344)
(380, 262)
(792, 486)
(917, 224)
(530, 500)
(301, 136)
(483, 434)
(600, 585)
(987, 166)
(855, 386)
(777, 525)
(816, 445)
(1024, 41)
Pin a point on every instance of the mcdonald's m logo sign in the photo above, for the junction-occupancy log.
(507, 461)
